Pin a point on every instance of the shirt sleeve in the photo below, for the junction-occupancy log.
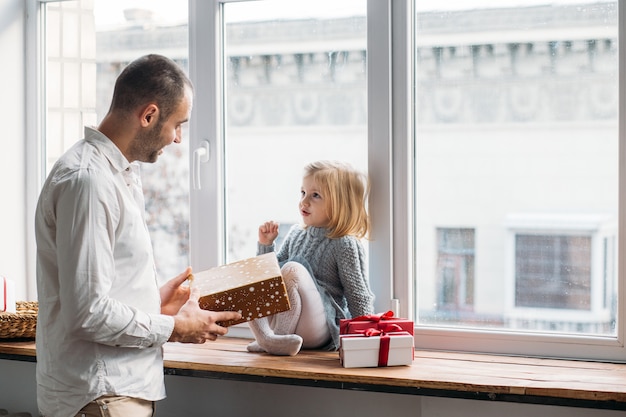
(87, 213)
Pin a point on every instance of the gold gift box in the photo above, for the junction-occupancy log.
(254, 287)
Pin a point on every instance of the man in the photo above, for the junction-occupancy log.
(102, 318)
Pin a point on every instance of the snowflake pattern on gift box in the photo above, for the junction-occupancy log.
(254, 287)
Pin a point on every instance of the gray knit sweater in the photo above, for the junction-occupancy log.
(338, 267)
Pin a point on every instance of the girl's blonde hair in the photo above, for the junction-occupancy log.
(346, 191)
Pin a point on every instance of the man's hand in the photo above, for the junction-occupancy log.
(194, 325)
(174, 294)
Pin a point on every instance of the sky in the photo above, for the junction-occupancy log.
(110, 12)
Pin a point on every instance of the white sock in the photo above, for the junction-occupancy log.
(280, 345)
(254, 347)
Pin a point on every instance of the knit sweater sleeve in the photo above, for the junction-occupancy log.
(283, 252)
(352, 268)
(262, 249)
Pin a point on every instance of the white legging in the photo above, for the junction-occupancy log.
(303, 295)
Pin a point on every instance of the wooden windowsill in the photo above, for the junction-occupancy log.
(443, 374)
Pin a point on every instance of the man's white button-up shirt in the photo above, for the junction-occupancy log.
(99, 328)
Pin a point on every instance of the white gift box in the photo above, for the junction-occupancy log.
(361, 351)
(7, 295)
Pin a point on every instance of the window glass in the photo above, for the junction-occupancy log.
(516, 165)
(455, 270)
(88, 43)
(295, 92)
(516, 145)
(559, 265)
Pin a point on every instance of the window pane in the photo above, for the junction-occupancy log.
(559, 265)
(455, 271)
(517, 165)
(88, 43)
(295, 93)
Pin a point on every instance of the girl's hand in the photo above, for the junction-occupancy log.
(173, 294)
(268, 232)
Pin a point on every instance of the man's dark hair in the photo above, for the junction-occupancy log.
(150, 79)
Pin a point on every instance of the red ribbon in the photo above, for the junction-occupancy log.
(371, 332)
(375, 317)
(390, 327)
(383, 351)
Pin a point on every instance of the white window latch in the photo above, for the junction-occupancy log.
(200, 155)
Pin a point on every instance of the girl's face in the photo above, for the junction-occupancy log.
(313, 204)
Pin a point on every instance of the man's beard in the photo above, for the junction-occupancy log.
(147, 144)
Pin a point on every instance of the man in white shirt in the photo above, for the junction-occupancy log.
(103, 319)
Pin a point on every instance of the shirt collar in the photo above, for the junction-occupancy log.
(105, 145)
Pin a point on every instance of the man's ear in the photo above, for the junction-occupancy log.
(149, 115)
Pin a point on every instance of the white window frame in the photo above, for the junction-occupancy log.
(391, 164)
(35, 122)
(556, 346)
(207, 237)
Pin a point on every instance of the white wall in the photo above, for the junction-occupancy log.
(13, 215)
(198, 397)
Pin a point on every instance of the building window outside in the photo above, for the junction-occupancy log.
(609, 276)
(563, 276)
(455, 270)
(553, 271)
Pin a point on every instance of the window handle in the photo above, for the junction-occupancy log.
(200, 155)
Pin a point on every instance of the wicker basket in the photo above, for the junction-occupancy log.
(22, 323)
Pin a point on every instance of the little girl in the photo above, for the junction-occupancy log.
(323, 263)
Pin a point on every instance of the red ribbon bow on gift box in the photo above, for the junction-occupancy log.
(375, 317)
(383, 351)
(378, 319)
